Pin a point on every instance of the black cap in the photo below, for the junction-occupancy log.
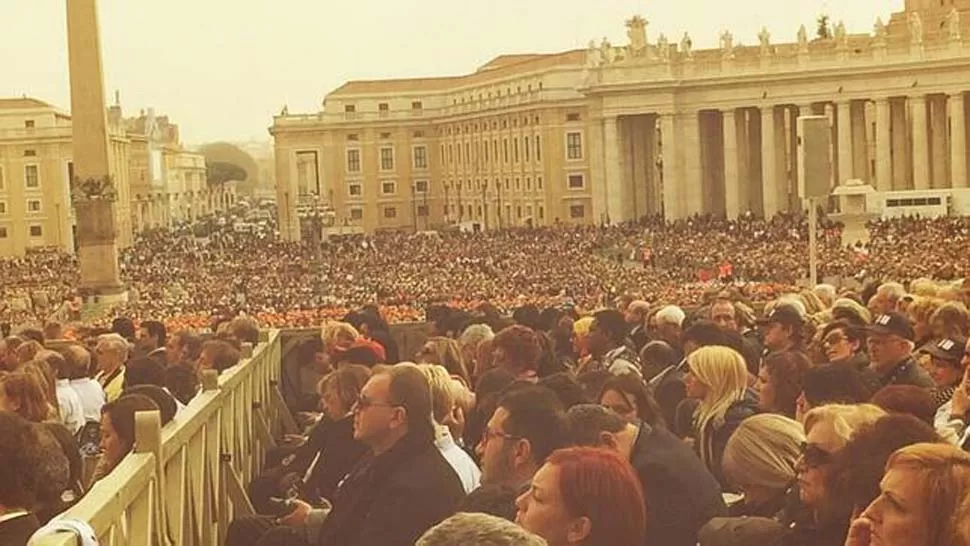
(892, 324)
(949, 349)
(784, 314)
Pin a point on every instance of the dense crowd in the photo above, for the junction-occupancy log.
(185, 280)
(830, 418)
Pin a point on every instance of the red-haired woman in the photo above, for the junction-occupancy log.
(584, 496)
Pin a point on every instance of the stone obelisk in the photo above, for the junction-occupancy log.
(92, 189)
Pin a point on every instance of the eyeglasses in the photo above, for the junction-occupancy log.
(833, 339)
(814, 457)
(363, 403)
(489, 434)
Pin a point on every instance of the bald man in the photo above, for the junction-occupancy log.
(636, 317)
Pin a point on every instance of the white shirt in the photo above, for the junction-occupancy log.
(92, 397)
(69, 402)
(461, 462)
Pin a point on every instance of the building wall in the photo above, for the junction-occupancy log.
(436, 132)
(36, 138)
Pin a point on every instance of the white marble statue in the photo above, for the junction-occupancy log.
(687, 46)
(663, 48)
(840, 35)
(879, 29)
(594, 57)
(802, 39)
(953, 25)
(727, 42)
(916, 28)
(609, 54)
(765, 38)
(637, 33)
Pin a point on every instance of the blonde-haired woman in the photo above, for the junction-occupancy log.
(818, 518)
(919, 313)
(718, 379)
(760, 460)
(925, 500)
(337, 337)
(444, 351)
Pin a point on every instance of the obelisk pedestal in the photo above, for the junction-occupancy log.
(92, 189)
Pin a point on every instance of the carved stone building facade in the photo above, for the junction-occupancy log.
(36, 165)
(653, 126)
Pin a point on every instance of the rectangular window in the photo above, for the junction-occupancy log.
(350, 108)
(2, 181)
(422, 210)
(518, 212)
(418, 134)
(387, 159)
(383, 107)
(451, 154)
(70, 173)
(3, 207)
(468, 155)
(421, 186)
(355, 190)
(31, 176)
(528, 184)
(33, 205)
(525, 145)
(36, 231)
(518, 184)
(29, 124)
(388, 188)
(390, 212)
(458, 147)
(542, 213)
(505, 150)
(495, 150)
(356, 214)
(576, 182)
(353, 161)
(572, 117)
(515, 150)
(352, 137)
(576, 211)
(486, 152)
(442, 153)
(417, 105)
(3, 232)
(574, 145)
(538, 182)
(420, 157)
(30, 153)
(385, 136)
(538, 148)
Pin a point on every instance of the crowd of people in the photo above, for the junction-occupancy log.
(185, 280)
(830, 417)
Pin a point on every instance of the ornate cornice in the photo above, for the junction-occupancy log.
(93, 189)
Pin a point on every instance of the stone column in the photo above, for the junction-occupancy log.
(693, 197)
(900, 144)
(673, 174)
(958, 141)
(939, 143)
(650, 198)
(597, 174)
(860, 142)
(921, 156)
(731, 183)
(751, 172)
(94, 191)
(844, 121)
(769, 162)
(884, 159)
(615, 196)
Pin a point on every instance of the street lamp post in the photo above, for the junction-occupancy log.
(484, 204)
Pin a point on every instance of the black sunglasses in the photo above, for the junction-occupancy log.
(815, 456)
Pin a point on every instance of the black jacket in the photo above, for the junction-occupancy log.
(16, 531)
(907, 372)
(393, 498)
(716, 437)
(681, 494)
(339, 454)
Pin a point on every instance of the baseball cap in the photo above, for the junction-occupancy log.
(783, 314)
(742, 531)
(892, 324)
(949, 349)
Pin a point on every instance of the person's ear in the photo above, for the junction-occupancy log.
(578, 530)
(522, 454)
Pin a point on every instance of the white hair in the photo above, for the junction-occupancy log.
(892, 289)
(475, 334)
(826, 293)
(479, 529)
(671, 314)
(115, 342)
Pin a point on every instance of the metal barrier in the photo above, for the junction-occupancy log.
(183, 484)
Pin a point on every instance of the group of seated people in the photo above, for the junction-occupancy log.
(833, 419)
(69, 406)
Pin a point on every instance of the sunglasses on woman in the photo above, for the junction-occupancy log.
(814, 456)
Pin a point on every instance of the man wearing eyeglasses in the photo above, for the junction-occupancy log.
(890, 346)
(397, 492)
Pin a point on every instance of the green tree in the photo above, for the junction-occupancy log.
(822, 29)
(220, 172)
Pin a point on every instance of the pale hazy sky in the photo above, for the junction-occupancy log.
(222, 68)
